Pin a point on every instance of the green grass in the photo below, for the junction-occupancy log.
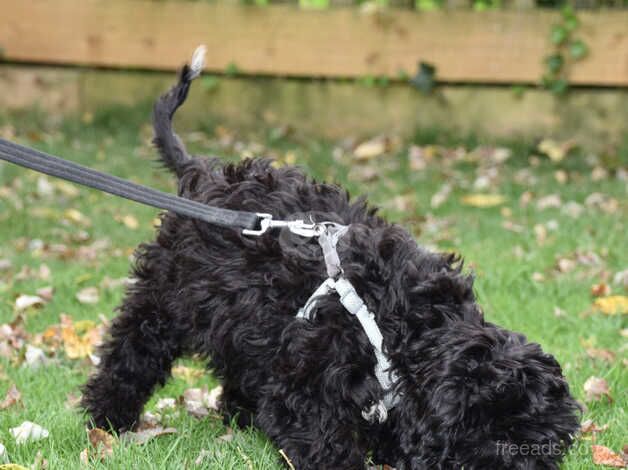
(504, 262)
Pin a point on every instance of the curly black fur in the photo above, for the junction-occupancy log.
(472, 395)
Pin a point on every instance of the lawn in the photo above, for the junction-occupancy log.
(541, 254)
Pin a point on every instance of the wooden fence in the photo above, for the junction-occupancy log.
(465, 47)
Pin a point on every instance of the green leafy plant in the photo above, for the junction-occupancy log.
(232, 69)
(314, 4)
(424, 80)
(567, 50)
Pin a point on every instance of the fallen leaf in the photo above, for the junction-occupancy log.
(600, 290)
(12, 466)
(621, 278)
(598, 174)
(538, 277)
(212, 401)
(46, 293)
(371, 148)
(589, 427)
(202, 455)
(166, 404)
(226, 437)
(483, 200)
(440, 196)
(566, 265)
(130, 222)
(84, 457)
(612, 305)
(551, 201)
(363, 173)
(24, 302)
(512, 227)
(5, 264)
(602, 354)
(572, 209)
(88, 295)
(189, 374)
(102, 442)
(149, 420)
(45, 188)
(67, 189)
(595, 388)
(540, 232)
(80, 338)
(605, 456)
(602, 202)
(560, 176)
(12, 397)
(34, 357)
(554, 150)
(28, 432)
(76, 217)
(145, 435)
(559, 312)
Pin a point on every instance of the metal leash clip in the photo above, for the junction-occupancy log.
(298, 227)
(295, 226)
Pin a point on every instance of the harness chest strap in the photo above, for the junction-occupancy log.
(354, 304)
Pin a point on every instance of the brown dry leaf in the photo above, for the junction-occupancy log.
(602, 354)
(102, 442)
(46, 293)
(145, 435)
(612, 305)
(483, 200)
(589, 427)
(13, 396)
(605, 456)
(89, 295)
(595, 388)
(600, 290)
(189, 374)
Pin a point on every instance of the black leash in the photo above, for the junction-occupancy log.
(70, 171)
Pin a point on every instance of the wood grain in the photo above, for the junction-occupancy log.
(491, 47)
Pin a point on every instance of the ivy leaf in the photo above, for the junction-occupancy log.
(424, 78)
(554, 63)
(232, 69)
(559, 34)
(578, 49)
(559, 86)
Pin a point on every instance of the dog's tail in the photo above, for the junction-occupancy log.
(172, 151)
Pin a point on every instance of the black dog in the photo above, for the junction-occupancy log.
(468, 394)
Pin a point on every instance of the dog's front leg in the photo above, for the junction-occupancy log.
(137, 356)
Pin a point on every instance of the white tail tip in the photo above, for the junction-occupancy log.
(198, 61)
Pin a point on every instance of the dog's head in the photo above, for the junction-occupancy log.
(483, 397)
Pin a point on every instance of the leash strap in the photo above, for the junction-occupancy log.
(70, 171)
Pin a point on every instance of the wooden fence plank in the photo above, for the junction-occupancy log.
(491, 47)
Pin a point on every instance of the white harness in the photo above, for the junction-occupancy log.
(329, 234)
